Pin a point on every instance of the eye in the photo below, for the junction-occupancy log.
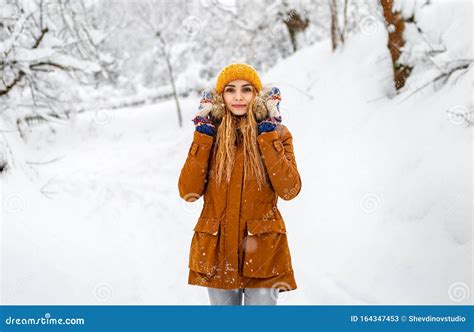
(247, 89)
(229, 90)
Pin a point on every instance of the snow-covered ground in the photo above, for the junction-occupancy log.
(384, 215)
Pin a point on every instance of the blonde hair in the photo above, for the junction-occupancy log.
(232, 131)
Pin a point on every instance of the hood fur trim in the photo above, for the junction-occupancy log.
(262, 110)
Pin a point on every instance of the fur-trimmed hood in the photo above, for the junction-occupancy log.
(213, 105)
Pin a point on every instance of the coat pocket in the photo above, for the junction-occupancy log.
(203, 256)
(266, 251)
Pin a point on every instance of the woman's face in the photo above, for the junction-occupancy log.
(238, 96)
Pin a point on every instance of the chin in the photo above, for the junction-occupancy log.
(239, 112)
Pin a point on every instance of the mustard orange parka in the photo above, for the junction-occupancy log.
(240, 238)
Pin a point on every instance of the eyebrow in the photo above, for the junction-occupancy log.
(234, 85)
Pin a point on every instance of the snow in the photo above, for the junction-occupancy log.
(384, 215)
(38, 54)
(71, 62)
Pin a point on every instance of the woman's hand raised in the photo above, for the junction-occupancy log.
(202, 121)
(272, 102)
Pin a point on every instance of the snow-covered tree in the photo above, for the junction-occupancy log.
(46, 48)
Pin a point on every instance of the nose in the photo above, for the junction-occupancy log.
(238, 96)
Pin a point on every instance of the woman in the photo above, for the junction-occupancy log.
(241, 159)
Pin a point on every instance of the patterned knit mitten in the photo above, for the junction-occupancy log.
(272, 102)
(202, 121)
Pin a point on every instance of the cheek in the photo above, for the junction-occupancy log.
(249, 98)
(226, 99)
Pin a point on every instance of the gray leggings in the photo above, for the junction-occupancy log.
(252, 296)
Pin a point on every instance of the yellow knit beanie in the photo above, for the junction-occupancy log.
(238, 71)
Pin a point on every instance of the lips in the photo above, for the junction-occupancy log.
(238, 105)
